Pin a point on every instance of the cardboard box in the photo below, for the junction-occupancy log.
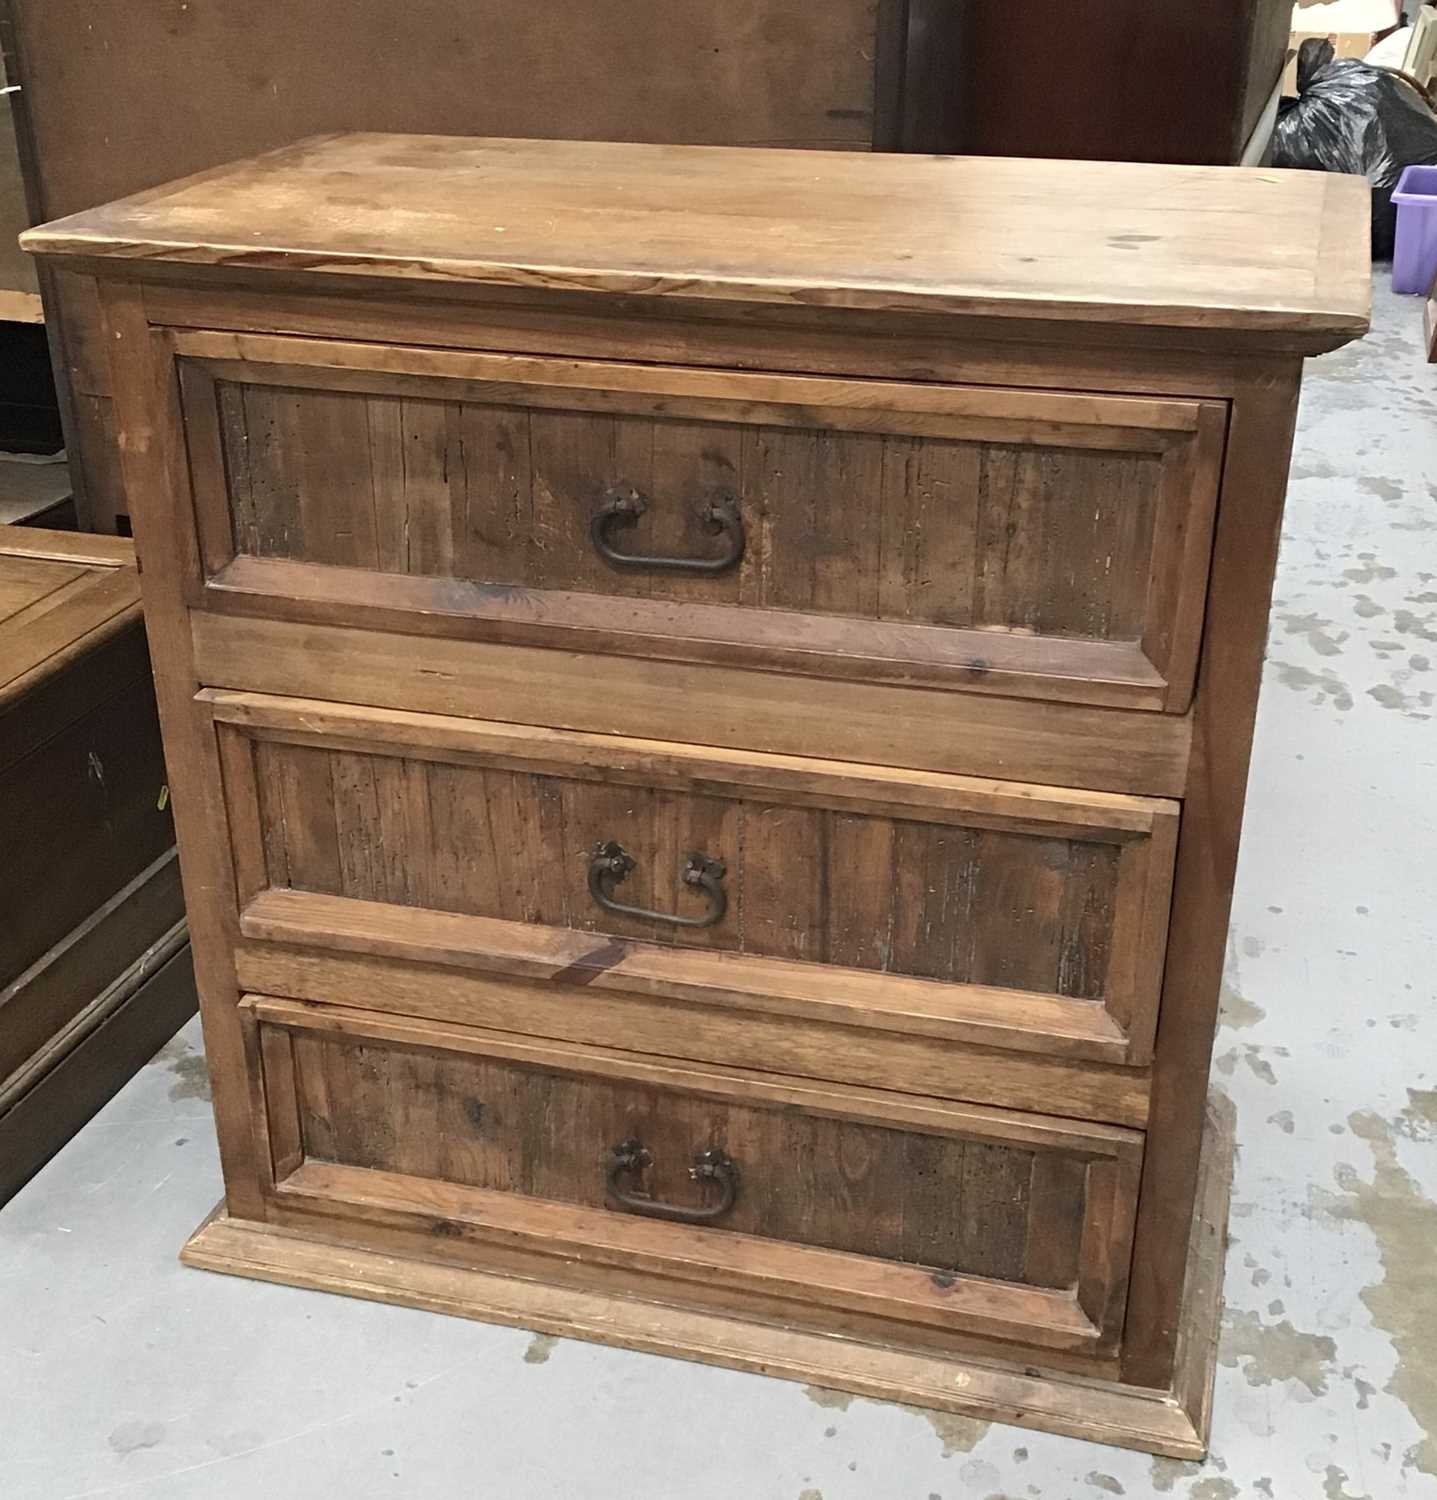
(1354, 28)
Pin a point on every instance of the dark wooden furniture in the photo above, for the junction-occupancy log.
(1118, 80)
(94, 968)
(710, 696)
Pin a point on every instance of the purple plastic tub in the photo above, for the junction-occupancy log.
(1414, 257)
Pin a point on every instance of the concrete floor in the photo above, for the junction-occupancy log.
(124, 1374)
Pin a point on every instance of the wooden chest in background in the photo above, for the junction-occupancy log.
(94, 966)
(710, 694)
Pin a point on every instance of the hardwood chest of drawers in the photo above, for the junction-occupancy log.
(709, 697)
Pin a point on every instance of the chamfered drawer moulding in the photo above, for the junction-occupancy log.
(724, 684)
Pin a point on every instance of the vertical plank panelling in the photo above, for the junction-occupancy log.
(704, 825)
(691, 466)
(993, 1210)
(384, 423)
(302, 777)
(1088, 910)
(1018, 886)
(495, 528)
(466, 870)
(780, 471)
(319, 1137)
(574, 458)
(932, 1187)
(235, 439)
(846, 506)
(430, 486)
(859, 915)
(1056, 1202)
(934, 874)
(328, 446)
(783, 875)
(271, 766)
(273, 429)
(929, 531)
(526, 822)
(598, 814)
(382, 818)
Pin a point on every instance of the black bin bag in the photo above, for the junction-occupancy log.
(1349, 117)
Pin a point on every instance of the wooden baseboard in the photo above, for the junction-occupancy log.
(111, 1040)
(1173, 1423)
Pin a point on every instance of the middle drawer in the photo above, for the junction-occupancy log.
(991, 913)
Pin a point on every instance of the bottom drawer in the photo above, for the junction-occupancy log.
(812, 1197)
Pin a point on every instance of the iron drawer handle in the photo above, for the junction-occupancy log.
(623, 505)
(709, 1166)
(611, 862)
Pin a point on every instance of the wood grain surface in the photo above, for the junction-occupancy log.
(1171, 247)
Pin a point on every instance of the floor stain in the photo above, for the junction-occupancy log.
(822, 1396)
(1275, 1351)
(1314, 629)
(1384, 489)
(1418, 1120)
(1166, 1472)
(1371, 570)
(1334, 1485)
(177, 1046)
(1404, 1301)
(1260, 1068)
(192, 1078)
(541, 1346)
(131, 1437)
(1283, 1120)
(957, 1434)
(1389, 695)
(810, 1495)
(1104, 1482)
(1238, 1011)
(1406, 622)
(1327, 686)
(1216, 1488)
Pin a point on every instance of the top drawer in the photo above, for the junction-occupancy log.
(1034, 543)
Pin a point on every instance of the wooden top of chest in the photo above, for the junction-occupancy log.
(1212, 249)
(61, 594)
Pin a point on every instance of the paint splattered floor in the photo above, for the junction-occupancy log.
(124, 1374)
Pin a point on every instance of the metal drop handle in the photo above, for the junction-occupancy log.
(611, 863)
(709, 1166)
(622, 506)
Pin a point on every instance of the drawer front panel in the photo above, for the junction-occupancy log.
(1001, 891)
(894, 1214)
(1031, 542)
